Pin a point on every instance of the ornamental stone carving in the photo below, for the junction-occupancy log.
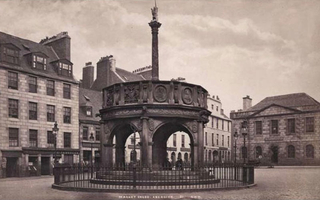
(151, 124)
(160, 94)
(187, 96)
(193, 126)
(109, 97)
(131, 93)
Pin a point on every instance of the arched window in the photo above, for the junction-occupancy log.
(133, 156)
(186, 157)
(244, 152)
(179, 156)
(291, 151)
(173, 158)
(309, 151)
(258, 151)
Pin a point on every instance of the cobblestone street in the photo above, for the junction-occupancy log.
(275, 183)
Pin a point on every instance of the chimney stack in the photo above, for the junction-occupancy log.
(87, 75)
(60, 43)
(247, 103)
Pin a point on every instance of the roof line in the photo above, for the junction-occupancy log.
(119, 76)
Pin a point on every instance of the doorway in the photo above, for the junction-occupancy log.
(274, 156)
(45, 165)
(12, 167)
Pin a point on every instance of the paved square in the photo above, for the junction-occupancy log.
(276, 183)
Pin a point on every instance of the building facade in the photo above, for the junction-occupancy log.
(279, 130)
(37, 89)
(217, 133)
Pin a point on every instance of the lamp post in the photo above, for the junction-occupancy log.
(91, 160)
(55, 130)
(244, 130)
(235, 136)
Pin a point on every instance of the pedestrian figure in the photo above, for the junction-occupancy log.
(179, 164)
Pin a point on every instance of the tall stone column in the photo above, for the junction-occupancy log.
(155, 25)
(145, 150)
(200, 143)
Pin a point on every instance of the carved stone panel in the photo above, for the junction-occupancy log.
(160, 94)
(187, 96)
(131, 93)
(109, 97)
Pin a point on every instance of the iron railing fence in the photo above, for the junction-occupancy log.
(131, 177)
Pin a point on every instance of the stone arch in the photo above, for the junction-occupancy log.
(120, 133)
(159, 140)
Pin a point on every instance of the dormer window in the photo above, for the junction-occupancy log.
(39, 62)
(89, 111)
(11, 55)
(65, 69)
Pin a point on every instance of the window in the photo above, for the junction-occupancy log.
(13, 108)
(217, 123)
(244, 152)
(212, 122)
(212, 139)
(33, 111)
(182, 140)
(13, 80)
(217, 108)
(66, 115)
(222, 124)
(258, 151)
(274, 126)
(228, 141)
(50, 113)
(206, 138)
(217, 142)
(50, 87)
(228, 126)
(222, 140)
(291, 151)
(291, 126)
(66, 91)
(258, 127)
(68, 158)
(310, 124)
(39, 62)
(33, 138)
(97, 134)
(89, 111)
(10, 55)
(50, 139)
(13, 137)
(212, 106)
(32, 84)
(85, 133)
(65, 69)
(174, 140)
(309, 151)
(67, 139)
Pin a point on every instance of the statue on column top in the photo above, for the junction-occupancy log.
(154, 12)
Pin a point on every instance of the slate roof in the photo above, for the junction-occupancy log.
(295, 100)
(95, 100)
(27, 47)
(119, 76)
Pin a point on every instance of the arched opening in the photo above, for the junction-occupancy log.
(120, 136)
(215, 156)
(174, 138)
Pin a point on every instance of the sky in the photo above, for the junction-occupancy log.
(232, 48)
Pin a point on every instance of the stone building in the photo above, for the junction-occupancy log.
(217, 133)
(281, 130)
(90, 102)
(37, 88)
